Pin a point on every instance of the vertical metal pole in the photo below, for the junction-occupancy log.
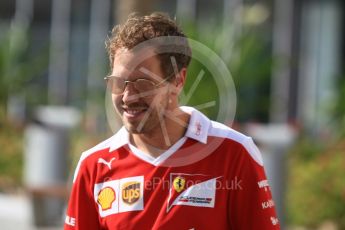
(59, 52)
(16, 102)
(232, 28)
(319, 65)
(282, 44)
(232, 12)
(23, 14)
(100, 15)
(124, 7)
(186, 10)
(100, 12)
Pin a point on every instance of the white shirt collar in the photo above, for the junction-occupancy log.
(198, 125)
(198, 128)
(120, 139)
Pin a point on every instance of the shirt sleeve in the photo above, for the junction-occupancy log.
(81, 212)
(251, 205)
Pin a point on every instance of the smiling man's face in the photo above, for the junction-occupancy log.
(141, 111)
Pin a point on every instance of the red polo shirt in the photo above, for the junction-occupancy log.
(212, 178)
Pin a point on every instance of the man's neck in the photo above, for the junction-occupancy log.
(158, 141)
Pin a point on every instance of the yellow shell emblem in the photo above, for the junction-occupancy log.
(179, 183)
(106, 197)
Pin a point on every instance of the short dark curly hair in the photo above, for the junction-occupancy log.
(138, 29)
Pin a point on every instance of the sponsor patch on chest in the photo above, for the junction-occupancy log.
(123, 195)
(192, 190)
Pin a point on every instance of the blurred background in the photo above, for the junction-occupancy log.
(286, 58)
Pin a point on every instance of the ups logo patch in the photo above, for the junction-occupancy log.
(131, 192)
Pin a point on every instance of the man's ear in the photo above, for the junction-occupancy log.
(180, 80)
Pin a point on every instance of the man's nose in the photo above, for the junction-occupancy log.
(130, 94)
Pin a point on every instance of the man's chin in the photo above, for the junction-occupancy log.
(133, 128)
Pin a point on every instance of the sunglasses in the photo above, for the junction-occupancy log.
(118, 85)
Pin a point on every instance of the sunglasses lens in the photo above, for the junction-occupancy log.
(143, 85)
(116, 85)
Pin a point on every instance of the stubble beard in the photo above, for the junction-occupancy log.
(152, 123)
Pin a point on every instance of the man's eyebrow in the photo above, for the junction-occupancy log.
(149, 73)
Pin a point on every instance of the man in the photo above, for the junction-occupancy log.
(168, 167)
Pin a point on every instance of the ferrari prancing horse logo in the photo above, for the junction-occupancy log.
(179, 183)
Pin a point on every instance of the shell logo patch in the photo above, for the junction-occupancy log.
(131, 192)
(106, 197)
(179, 183)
